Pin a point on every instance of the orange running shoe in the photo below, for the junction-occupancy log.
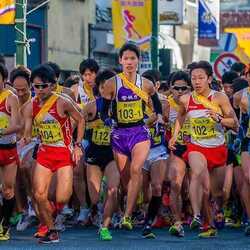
(41, 231)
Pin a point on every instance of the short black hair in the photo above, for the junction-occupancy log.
(55, 67)
(90, 64)
(152, 75)
(45, 73)
(103, 76)
(20, 71)
(71, 80)
(129, 46)
(180, 75)
(205, 65)
(229, 76)
(239, 67)
(3, 71)
(239, 84)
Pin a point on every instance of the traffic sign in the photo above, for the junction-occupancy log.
(223, 63)
(228, 42)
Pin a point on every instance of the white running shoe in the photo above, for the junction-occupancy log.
(67, 211)
(25, 222)
(83, 216)
(59, 222)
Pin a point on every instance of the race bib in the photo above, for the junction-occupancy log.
(4, 122)
(50, 133)
(202, 128)
(156, 138)
(184, 133)
(129, 112)
(101, 136)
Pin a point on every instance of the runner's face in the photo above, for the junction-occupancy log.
(42, 90)
(129, 61)
(228, 88)
(200, 80)
(179, 88)
(89, 77)
(21, 86)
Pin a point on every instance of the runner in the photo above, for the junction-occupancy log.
(130, 138)
(155, 166)
(100, 160)
(180, 85)
(51, 113)
(208, 112)
(9, 126)
(245, 148)
(84, 93)
(20, 80)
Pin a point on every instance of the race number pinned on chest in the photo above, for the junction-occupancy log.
(4, 121)
(50, 133)
(128, 112)
(101, 136)
(203, 128)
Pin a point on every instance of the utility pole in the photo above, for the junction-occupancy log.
(20, 27)
(154, 39)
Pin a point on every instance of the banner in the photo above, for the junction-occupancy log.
(132, 22)
(170, 12)
(208, 22)
(7, 11)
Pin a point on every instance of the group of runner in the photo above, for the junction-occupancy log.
(117, 143)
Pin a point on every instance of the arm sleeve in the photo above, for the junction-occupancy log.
(156, 104)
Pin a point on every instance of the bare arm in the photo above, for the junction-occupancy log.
(229, 119)
(15, 125)
(28, 121)
(109, 89)
(77, 117)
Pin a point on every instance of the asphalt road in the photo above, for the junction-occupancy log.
(87, 238)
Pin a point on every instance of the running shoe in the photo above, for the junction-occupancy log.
(84, 215)
(177, 230)
(25, 222)
(116, 220)
(147, 232)
(160, 222)
(5, 235)
(219, 220)
(196, 222)
(209, 233)
(15, 219)
(127, 223)
(59, 223)
(41, 231)
(67, 211)
(247, 230)
(105, 234)
(52, 236)
(236, 224)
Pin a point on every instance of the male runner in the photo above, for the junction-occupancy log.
(9, 126)
(99, 158)
(130, 138)
(155, 166)
(208, 112)
(179, 85)
(51, 114)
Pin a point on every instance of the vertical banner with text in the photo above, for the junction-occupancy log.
(208, 23)
(7, 12)
(132, 21)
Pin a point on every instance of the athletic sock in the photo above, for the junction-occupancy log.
(8, 207)
(153, 208)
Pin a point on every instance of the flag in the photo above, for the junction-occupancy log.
(7, 11)
(132, 21)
